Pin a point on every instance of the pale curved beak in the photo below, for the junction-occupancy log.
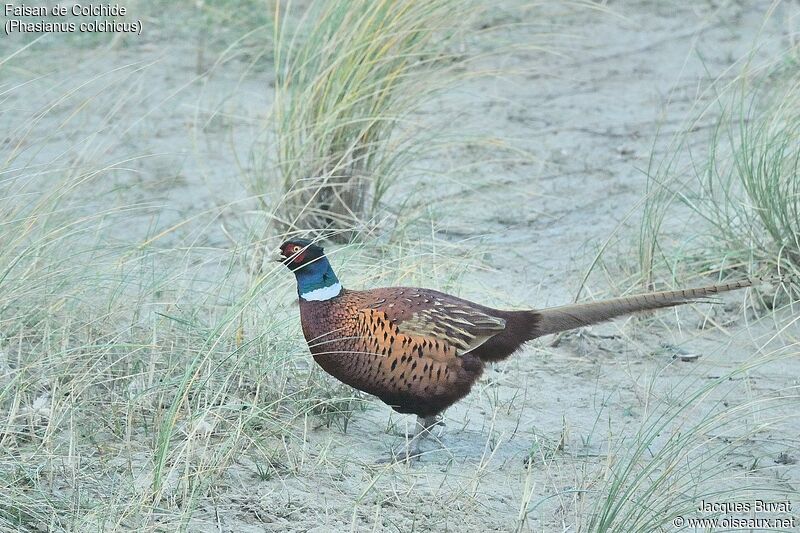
(277, 256)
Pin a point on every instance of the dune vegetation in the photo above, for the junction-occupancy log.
(153, 376)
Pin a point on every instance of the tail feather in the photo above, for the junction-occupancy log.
(566, 317)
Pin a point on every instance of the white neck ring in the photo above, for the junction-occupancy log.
(323, 293)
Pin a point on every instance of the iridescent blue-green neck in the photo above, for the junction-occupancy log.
(317, 281)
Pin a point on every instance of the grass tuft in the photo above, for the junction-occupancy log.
(743, 197)
(350, 76)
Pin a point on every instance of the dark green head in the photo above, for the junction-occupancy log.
(297, 253)
(315, 277)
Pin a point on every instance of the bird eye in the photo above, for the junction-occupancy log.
(295, 249)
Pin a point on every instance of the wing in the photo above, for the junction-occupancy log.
(437, 318)
(462, 327)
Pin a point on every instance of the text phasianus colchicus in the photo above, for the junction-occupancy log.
(420, 350)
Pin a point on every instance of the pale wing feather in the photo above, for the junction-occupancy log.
(463, 327)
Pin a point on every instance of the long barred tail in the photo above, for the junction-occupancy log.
(566, 317)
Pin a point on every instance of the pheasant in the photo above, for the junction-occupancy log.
(421, 350)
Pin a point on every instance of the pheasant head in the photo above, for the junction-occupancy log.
(316, 280)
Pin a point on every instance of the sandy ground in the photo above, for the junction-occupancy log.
(585, 117)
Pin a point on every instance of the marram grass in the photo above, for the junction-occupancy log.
(742, 193)
(349, 77)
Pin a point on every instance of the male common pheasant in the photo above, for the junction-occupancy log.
(420, 350)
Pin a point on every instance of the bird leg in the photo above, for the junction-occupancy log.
(423, 431)
(435, 420)
(410, 450)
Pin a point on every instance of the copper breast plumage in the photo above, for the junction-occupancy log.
(413, 348)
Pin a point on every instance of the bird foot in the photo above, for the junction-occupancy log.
(409, 451)
(409, 454)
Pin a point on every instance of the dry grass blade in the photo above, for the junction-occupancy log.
(680, 455)
(744, 197)
(347, 76)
